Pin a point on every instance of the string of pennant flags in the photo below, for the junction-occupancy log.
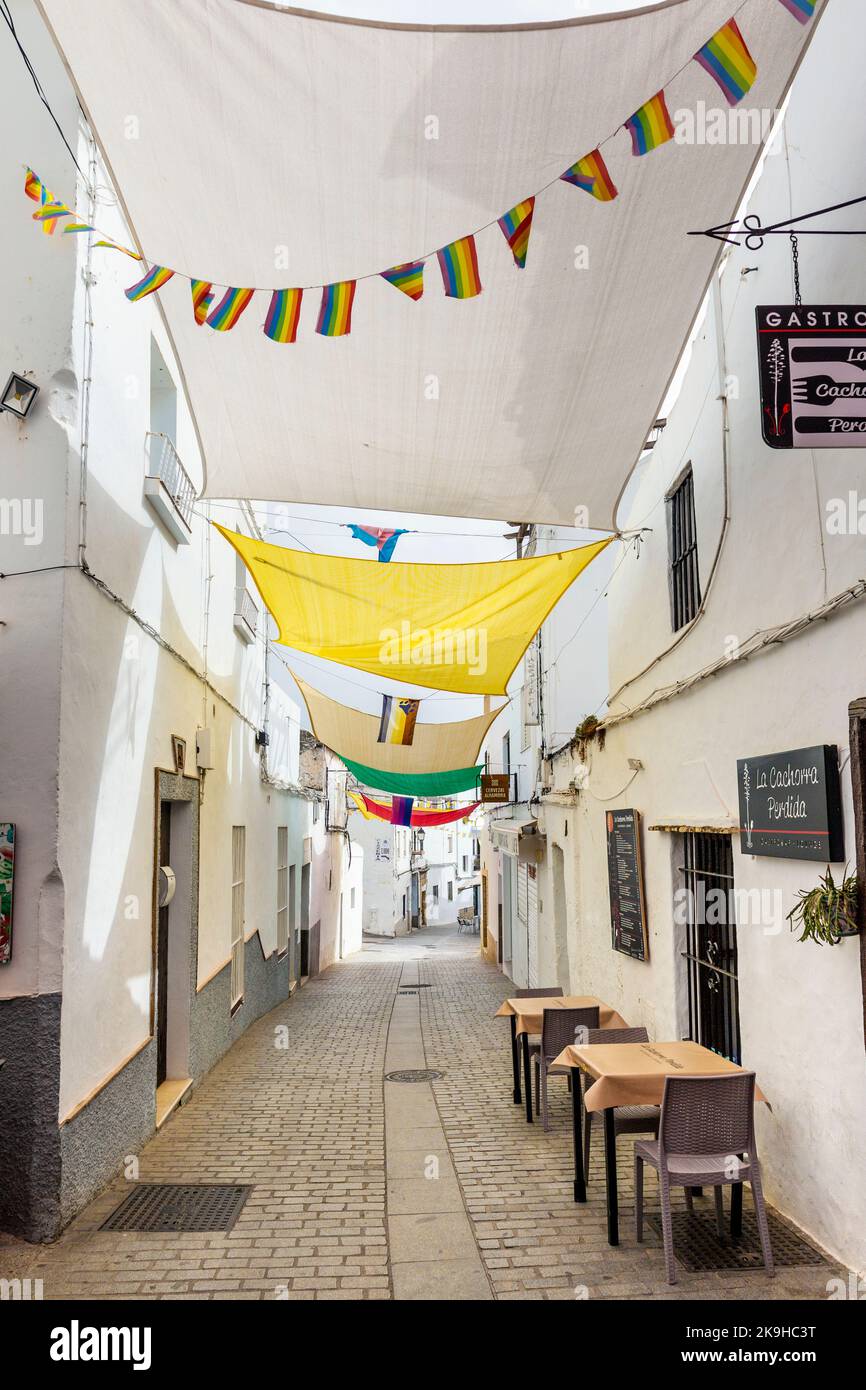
(725, 57)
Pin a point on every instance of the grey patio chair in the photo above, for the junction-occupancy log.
(706, 1138)
(557, 1031)
(627, 1119)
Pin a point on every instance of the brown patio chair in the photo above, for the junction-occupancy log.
(627, 1119)
(551, 992)
(557, 1031)
(706, 1138)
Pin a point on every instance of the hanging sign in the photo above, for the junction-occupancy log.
(812, 362)
(625, 881)
(495, 786)
(791, 805)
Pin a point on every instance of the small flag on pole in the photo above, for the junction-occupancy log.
(397, 724)
(156, 277)
(516, 226)
(591, 174)
(408, 277)
(202, 298)
(401, 810)
(335, 314)
(229, 310)
(284, 311)
(650, 126)
(728, 61)
(800, 9)
(459, 265)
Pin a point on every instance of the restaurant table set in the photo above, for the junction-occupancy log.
(695, 1107)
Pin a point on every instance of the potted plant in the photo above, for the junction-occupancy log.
(827, 913)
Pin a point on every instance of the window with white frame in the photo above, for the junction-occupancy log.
(282, 889)
(239, 854)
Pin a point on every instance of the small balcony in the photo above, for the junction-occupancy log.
(168, 488)
(246, 615)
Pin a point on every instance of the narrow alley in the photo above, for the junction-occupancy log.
(367, 1188)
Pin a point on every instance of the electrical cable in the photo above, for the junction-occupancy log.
(10, 24)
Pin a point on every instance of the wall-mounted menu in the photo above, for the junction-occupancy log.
(625, 880)
(812, 366)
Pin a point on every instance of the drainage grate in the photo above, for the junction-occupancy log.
(179, 1207)
(413, 1075)
(697, 1245)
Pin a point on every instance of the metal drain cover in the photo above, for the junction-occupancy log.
(179, 1207)
(697, 1245)
(413, 1075)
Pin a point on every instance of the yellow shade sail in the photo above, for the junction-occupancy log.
(453, 627)
(434, 748)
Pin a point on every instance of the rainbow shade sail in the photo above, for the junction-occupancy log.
(516, 226)
(458, 779)
(651, 126)
(372, 808)
(228, 311)
(397, 724)
(408, 277)
(800, 9)
(202, 298)
(591, 174)
(453, 627)
(335, 314)
(728, 61)
(156, 277)
(384, 540)
(459, 265)
(284, 311)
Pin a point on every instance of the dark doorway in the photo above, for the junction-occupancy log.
(711, 943)
(162, 951)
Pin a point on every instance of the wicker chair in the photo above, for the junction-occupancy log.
(706, 1138)
(557, 1031)
(552, 992)
(627, 1119)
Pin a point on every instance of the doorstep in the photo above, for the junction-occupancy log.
(168, 1096)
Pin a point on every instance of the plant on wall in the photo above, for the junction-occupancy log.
(827, 913)
(588, 730)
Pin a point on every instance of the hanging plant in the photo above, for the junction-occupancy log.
(588, 730)
(827, 913)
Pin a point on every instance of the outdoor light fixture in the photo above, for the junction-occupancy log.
(18, 395)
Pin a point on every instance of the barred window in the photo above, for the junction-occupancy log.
(684, 580)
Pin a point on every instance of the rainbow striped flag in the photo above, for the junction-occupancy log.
(408, 277)
(401, 810)
(335, 314)
(650, 126)
(50, 212)
(397, 724)
(202, 298)
(459, 265)
(229, 310)
(284, 311)
(729, 62)
(116, 246)
(156, 277)
(78, 227)
(516, 226)
(591, 174)
(33, 186)
(800, 9)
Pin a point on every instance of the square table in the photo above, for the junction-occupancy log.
(527, 1016)
(634, 1074)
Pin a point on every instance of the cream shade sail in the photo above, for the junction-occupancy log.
(353, 734)
(453, 627)
(257, 145)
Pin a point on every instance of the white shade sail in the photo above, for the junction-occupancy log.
(275, 148)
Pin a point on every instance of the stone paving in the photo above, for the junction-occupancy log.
(305, 1123)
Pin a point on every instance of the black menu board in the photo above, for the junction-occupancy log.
(625, 879)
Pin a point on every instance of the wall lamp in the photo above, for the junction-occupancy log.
(18, 395)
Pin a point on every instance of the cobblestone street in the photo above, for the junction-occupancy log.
(419, 1192)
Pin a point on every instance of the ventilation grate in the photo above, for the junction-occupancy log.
(698, 1248)
(414, 1075)
(179, 1207)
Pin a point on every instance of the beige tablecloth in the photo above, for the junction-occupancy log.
(634, 1073)
(529, 1012)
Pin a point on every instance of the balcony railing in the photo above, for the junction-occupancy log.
(168, 487)
(246, 614)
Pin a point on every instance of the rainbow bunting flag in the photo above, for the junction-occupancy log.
(651, 126)
(281, 324)
(729, 62)
(33, 186)
(800, 9)
(78, 227)
(459, 265)
(156, 277)
(397, 724)
(335, 314)
(401, 810)
(229, 310)
(590, 174)
(116, 246)
(202, 298)
(50, 212)
(516, 226)
(408, 277)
